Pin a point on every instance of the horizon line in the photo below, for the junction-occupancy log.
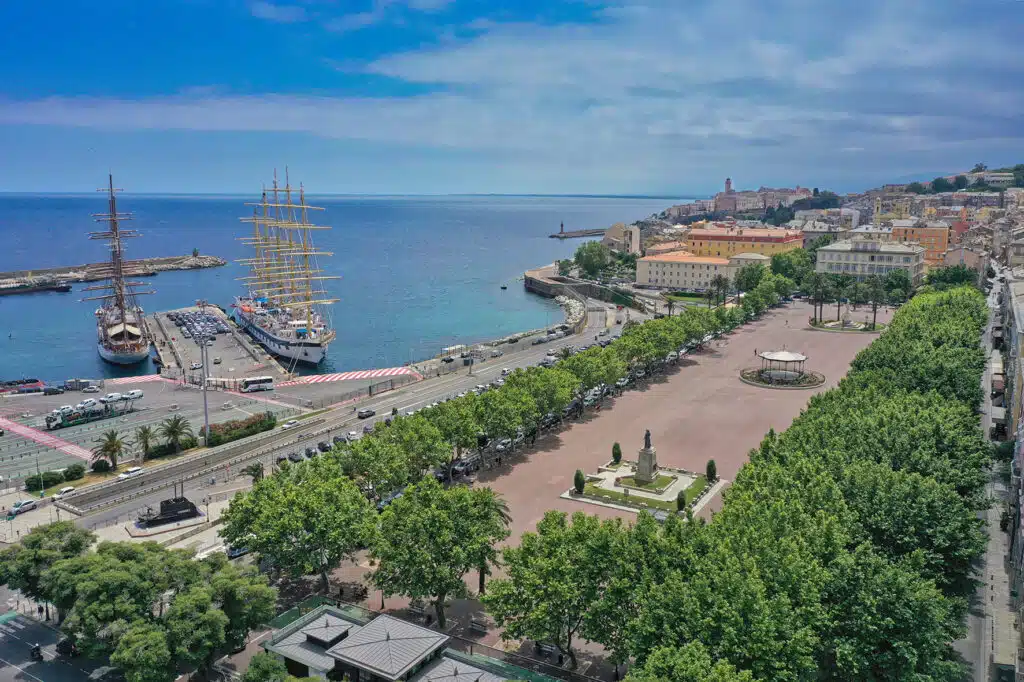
(692, 197)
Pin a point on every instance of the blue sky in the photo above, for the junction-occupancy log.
(453, 96)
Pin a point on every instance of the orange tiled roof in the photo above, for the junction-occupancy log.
(685, 257)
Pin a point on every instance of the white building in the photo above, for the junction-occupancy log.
(681, 270)
(863, 258)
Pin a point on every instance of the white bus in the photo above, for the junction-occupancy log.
(257, 384)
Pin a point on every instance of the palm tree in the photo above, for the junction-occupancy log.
(174, 430)
(819, 291)
(711, 295)
(564, 352)
(109, 447)
(671, 306)
(841, 286)
(492, 510)
(876, 296)
(144, 437)
(255, 471)
(720, 285)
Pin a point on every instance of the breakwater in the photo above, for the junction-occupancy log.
(576, 234)
(89, 272)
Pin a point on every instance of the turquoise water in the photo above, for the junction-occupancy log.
(417, 273)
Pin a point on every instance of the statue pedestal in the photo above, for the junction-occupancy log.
(646, 466)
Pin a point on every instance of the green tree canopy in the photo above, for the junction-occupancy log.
(592, 257)
(143, 654)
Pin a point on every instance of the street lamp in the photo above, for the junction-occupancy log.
(203, 357)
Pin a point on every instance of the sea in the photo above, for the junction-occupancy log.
(416, 273)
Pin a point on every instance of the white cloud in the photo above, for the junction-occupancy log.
(652, 90)
(281, 13)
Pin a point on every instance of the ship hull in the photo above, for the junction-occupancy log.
(305, 352)
(118, 358)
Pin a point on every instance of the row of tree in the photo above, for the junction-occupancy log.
(155, 612)
(111, 447)
(845, 548)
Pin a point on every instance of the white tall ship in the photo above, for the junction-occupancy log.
(285, 310)
(122, 336)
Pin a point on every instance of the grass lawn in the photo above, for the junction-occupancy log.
(91, 477)
(695, 489)
(659, 483)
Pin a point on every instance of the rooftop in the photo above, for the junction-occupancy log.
(751, 256)
(449, 670)
(388, 647)
(684, 257)
(735, 232)
(326, 624)
(872, 229)
(876, 246)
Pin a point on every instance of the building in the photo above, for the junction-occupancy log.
(622, 238)
(815, 229)
(961, 255)
(726, 242)
(331, 643)
(862, 258)
(999, 179)
(664, 247)
(933, 236)
(878, 233)
(681, 270)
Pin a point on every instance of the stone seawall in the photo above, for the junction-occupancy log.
(546, 281)
(85, 273)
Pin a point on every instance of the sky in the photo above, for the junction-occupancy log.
(646, 97)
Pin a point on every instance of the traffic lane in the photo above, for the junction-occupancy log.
(18, 635)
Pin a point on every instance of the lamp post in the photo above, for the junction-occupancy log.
(203, 356)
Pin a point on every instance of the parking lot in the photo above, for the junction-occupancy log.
(21, 455)
(231, 355)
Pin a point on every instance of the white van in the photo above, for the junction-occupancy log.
(132, 395)
(110, 398)
(130, 473)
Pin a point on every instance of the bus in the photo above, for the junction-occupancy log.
(257, 384)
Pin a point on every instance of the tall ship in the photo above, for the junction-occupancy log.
(286, 307)
(122, 336)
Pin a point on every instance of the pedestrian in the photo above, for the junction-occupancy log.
(755, 352)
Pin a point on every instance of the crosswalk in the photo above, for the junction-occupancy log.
(46, 439)
(351, 376)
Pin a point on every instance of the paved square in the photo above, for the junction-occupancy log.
(700, 411)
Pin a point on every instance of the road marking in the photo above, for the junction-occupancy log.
(46, 439)
(19, 668)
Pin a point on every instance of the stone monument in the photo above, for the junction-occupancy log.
(647, 463)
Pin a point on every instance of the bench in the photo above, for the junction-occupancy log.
(478, 625)
(416, 610)
(546, 649)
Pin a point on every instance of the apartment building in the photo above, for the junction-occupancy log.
(680, 270)
(933, 236)
(720, 242)
(862, 258)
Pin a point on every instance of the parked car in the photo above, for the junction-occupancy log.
(132, 395)
(64, 491)
(366, 413)
(53, 390)
(311, 452)
(196, 365)
(323, 446)
(290, 424)
(91, 389)
(130, 473)
(110, 398)
(295, 457)
(22, 506)
(338, 440)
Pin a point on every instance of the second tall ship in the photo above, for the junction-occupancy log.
(285, 308)
(122, 337)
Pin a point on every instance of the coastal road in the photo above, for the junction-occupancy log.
(17, 636)
(342, 420)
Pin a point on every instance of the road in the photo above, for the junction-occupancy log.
(17, 635)
(342, 420)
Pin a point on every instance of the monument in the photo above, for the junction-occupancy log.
(647, 462)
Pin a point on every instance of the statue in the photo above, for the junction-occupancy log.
(647, 439)
(647, 463)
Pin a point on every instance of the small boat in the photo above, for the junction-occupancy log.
(504, 286)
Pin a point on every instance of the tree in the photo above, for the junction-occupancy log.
(917, 188)
(144, 437)
(681, 500)
(720, 285)
(254, 471)
(143, 654)
(565, 267)
(196, 627)
(305, 520)
(25, 564)
(688, 663)
(795, 264)
(421, 441)
(711, 471)
(579, 481)
(820, 290)
(109, 447)
(616, 453)
(951, 277)
(941, 184)
(245, 598)
(456, 420)
(960, 182)
(841, 287)
(489, 521)
(876, 296)
(979, 168)
(898, 285)
(592, 257)
(428, 539)
(174, 430)
(554, 576)
(823, 240)
(265, 667)
(749, 276)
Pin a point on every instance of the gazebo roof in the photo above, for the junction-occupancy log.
(783, 356)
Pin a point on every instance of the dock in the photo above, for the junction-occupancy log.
(232, 356)
(576, 234)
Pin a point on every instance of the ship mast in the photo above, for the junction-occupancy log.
(121, 291)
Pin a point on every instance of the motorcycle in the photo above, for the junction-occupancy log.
(37, 653)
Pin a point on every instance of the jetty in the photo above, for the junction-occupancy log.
(58, 278)
(575, 234)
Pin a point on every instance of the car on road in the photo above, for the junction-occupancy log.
(366, 413)
(196, 365)
(338, 440)
(281, 459)
(623, 382)
(63, 491)
(496, 353)
(22, 506)
(603, 332)
(235, 552)
(131, 472)
(447, 360)
(505, 371)
(368, 428)
(311, 452)
(91, 389)
(290, 424)
(53, 390)
(323, 446)
(216, 361)
(86, 404)
(295, 457)
(132, 395)
(352, 436)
